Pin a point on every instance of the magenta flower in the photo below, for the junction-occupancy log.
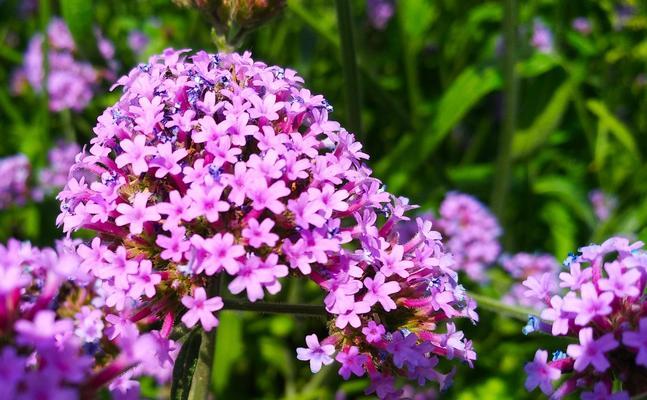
(591, 351)
(167, 160)
(259, 234)
(541, 374)
(200, 308)
(379, 291)
(601, 304)
(137, 214)
(638, 340)
(373, 332)
(174, 246)
(352, 361)
(316, 353)
(135, 153)
(590, 305)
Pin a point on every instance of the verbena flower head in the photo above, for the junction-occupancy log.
(603, 310)
(14, 187)
(61, 157)
(522, 266)
(53, 333)
(603, 204)
(582, 25)
(380, 12)
(70, 82)
(472, 233)
(542, 37)
(214, 166)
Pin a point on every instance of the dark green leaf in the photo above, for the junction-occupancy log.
(185, 366)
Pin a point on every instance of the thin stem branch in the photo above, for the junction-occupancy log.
(511, 93)
(498, 307)
(306, 310)
(349, 67)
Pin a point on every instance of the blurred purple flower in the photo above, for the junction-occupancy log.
(542, 37)
(380, 12)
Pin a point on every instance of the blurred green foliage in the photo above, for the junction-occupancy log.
(431, 90)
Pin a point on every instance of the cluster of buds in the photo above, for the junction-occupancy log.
(70, 83)
(604, 311)
(55, 341)
(232, 19)
(216, 170)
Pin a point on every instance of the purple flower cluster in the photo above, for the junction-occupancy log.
(604, 310)
(14, 188)
(61, 158)
(215, 166)
(582, 25)
(603, 204)
(380, 12)
(542, 37)
(522, 266)
(472, 233)
(70, 82)
(56, 342)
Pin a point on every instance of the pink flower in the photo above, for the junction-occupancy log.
(351, 362)
(379, 291)
(263, 197)
(393, 263)
(259, 234)
(223, 254)
(137, 214)
(201, 308)
(540, 288)
(557, 314)
(317, 354)
(135, 152)
(590, 305)
(176, 210)
(541, 374)
(174, 246)
(619, 283)
(167, 160)
(207, 202)
(638, 340)
(591, 351)
(254, 274)
(351, 316)
(576, 277)
(145, 280)
(373, 332)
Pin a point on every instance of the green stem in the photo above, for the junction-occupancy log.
(490, 304)
(306, 310)
(504, 161)
(641, 396)
(349, 67)
(201, 382)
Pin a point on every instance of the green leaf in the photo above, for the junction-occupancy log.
(615, 126)
(526, 141)
(185, 366)
(562, 228)
(229, 348)
(419, 15)
(564, 190)
(537, 64)
(78, 16)
(414, 148)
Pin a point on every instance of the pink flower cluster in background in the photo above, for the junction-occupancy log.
(470, 230)
(71, 83)
(522, 266)
(17, 185)
(14, 185)
(604, 311)
(217, 167)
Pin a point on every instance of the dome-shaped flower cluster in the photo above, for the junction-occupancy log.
(14, 188)
(70, 83)
(52, 338)
(604, 311)
(522, 266)
(216, 167)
